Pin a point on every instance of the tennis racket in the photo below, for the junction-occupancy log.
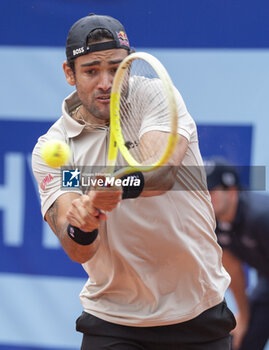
(142, 104)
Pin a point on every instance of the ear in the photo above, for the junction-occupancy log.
(69, 74)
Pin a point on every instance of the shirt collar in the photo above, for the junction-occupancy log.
(73, 128)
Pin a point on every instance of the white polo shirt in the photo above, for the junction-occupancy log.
(158, 262)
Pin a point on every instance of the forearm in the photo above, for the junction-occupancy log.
(56, 218)
(238, 283)
(77, 252)
(238, 288)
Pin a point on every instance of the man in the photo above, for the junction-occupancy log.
(243, 232)
(155, 275)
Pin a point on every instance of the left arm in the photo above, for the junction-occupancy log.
(163, 178)
(158, 181)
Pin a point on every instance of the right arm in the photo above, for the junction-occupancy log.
(80, 211)
(70, 208)
(238, 288)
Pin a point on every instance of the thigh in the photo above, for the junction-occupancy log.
(92, 342)
(98, 342)
(220, 344)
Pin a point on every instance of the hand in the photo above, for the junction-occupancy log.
(83, 215)
(240, 330)
(105, 198)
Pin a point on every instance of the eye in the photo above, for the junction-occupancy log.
(90, 71)
(114, 70)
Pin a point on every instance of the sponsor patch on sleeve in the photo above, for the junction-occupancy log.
(47, 179)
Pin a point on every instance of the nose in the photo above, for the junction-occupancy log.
(105, 81)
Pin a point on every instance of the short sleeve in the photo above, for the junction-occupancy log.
(156, 116)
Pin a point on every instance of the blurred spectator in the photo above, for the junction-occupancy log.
(243, 232)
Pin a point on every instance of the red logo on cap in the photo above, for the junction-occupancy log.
(123, 38)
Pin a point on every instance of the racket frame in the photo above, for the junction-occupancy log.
(116, 137)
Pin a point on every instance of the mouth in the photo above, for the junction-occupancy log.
(105, 99)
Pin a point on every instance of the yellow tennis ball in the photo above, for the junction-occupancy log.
(55, 153)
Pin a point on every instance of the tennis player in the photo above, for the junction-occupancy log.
(156, 281)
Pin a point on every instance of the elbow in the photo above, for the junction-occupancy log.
(168, 183)
(82, 253)
(170, 178)
(79, 259)
(163, 186)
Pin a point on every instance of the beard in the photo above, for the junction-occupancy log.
(97, 112)
(101, 111)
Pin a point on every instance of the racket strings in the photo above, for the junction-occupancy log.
(144, 113)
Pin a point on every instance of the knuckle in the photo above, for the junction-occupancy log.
(75, 203)
(85, 199)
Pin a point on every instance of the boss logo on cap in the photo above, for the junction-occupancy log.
(78, 51)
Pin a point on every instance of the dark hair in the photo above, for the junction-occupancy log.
(95, 35)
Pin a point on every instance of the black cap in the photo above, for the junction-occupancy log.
(220, 173)
(77, 39)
